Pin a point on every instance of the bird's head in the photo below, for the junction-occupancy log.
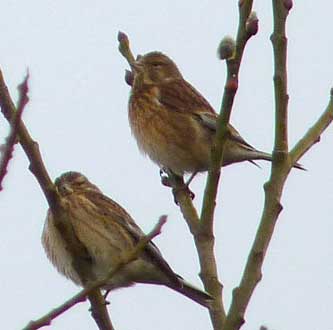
(155, 68)
(73, 182)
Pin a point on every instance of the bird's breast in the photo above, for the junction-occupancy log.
(171, 138)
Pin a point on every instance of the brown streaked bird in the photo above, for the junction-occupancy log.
(174, 124)
(108, 232)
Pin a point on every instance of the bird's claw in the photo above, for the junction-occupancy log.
(176, 182)
(105, 295)
(185, 189)
(165, 178)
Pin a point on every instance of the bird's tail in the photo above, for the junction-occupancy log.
(201, 297)
(260, 155)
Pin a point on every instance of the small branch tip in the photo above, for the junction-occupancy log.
(124, 47)
(23, 87)
(122, 37)
(163, 219)
(161, 222)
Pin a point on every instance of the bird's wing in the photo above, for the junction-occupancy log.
(111, 211)
(180, 96)
(235, 136)
(207, 119)
(210, 121)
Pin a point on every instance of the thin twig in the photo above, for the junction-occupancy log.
(204, 245)
(273, 188)
(312, 136)
(282, 164)
(124, 47)
(99, 310)
(30, 147)
(183, 199)
(209, 272)
(81, 296)
(230, 89)
(12, 137)
(279, 42)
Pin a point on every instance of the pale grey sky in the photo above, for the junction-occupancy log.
(78, 113)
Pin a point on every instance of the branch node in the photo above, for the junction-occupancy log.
(205, 236)
(232, 84)
(258, 257)
(279, 208)
(288, 4)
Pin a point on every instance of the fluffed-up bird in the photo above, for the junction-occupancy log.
(174, 124)
(107, 232)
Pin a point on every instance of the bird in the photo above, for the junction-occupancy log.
(107, 233)
(174, 124)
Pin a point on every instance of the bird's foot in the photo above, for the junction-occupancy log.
(165, 180)
(105, 296)
(183, 189)
(176, 182)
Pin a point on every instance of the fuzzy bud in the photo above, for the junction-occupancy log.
(227, 48)
(252, 24)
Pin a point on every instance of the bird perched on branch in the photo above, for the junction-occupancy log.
(174, 124)
(107, 233)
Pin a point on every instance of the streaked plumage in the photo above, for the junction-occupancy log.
(173, 123)
(107, 232)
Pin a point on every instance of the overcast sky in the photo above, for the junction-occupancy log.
(78, 114)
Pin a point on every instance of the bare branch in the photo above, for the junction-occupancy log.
(312, 136)
(230, 89)
(81, 296)
(29, 145)
(279, 42)
(99, 310)
(183, 199)
(282, 164)
(12, 137)
(205, 244)
(273, 188)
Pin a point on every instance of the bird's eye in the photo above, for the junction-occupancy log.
(80, 180)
